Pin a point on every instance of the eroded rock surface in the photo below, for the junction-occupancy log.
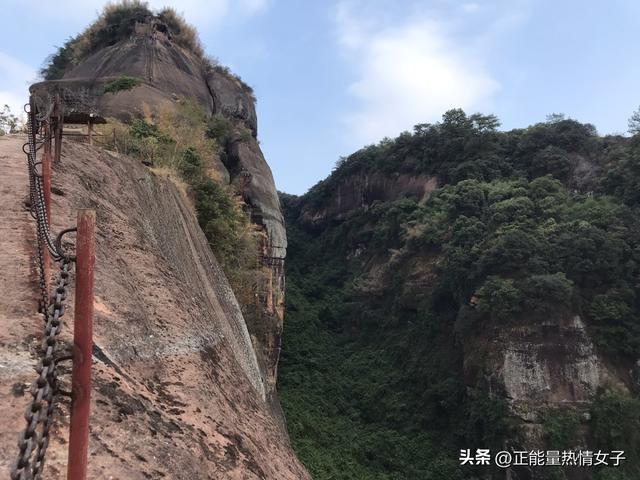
(177, 390)
(359, 191)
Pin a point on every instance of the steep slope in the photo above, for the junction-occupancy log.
(177, 388)
(167, 71)
(460, 287)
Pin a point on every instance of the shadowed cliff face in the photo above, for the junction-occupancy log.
(167, 73)
(359, 191)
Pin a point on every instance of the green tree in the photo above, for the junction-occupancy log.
(545, 293)
(9, 123)
(615, 425)
(634, 122)
(556, 117)
(499, 298)
(190, 166)
(550, 161)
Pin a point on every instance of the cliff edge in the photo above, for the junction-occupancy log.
(164, 70)
(177, 390)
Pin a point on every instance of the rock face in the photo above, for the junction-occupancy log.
(169, 72)
(558, 367)
(361, 190)
(548, 365)
(177, 391)
(231, 99)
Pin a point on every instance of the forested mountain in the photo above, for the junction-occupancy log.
(464, 287)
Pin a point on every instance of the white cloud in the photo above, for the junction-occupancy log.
(471, 7)
(408, 73)
(15, 76)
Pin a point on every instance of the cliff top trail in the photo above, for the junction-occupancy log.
(177, 392)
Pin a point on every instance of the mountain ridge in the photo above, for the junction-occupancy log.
(491, 306)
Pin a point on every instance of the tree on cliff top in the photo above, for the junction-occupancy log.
(634, 123)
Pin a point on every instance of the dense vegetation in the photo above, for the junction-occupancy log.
(184, 142)
(390, 310)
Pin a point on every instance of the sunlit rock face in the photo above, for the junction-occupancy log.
(551, 364)
(545, 365)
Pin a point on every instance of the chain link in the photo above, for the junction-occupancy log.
(34, 440)
(36, 188)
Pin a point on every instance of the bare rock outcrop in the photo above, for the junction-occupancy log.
(231, 98)
(359, 191)
(540, 365)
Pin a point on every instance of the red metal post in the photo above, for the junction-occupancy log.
(46, 183)
(58, 114)
(83, 345)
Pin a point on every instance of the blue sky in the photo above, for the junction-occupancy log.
(332, 76)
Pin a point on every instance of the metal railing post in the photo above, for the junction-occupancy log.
(46, 184)
(58, 114)
(83, 346)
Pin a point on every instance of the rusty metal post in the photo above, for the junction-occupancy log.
(46, 184)
(83, 346)
(57, 112)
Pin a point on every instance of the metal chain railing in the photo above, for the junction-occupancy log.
(34, 440)
(36, 189)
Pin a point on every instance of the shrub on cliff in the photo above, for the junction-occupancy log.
(219, 129)
(190, 167)
(177, 139)
(123, 83)
(224, 131)
(180, 31)
(218, 217)
(499, 298)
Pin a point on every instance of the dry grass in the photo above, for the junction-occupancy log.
(182, 33)
(180, 184)
(117, 20)
(178, 130)
(111, 16)
(184, 125)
